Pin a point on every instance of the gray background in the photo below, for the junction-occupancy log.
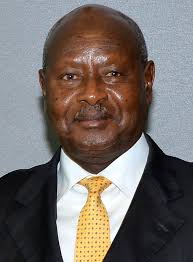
(168, 29)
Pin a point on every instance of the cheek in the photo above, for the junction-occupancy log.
(131, 103)
(127, 99)
(60, 110)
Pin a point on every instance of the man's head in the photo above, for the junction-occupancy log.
(97, 84)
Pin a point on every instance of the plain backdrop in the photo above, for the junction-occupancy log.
(168, 29)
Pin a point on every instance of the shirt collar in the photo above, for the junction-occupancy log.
(125, 172)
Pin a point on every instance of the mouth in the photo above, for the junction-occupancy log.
(93, 123)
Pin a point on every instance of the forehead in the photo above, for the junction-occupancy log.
(108, 34)
(93, 44)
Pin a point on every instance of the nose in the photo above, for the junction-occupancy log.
(92, 92)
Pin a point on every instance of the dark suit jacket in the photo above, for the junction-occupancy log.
(158, 226)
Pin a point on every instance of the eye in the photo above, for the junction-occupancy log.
(113, 74)
(69, 76)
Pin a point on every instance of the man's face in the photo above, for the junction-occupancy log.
(95, 93)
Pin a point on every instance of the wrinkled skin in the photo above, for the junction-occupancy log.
(97, 91)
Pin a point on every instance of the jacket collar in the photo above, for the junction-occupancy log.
(149, 223)
(156, 166)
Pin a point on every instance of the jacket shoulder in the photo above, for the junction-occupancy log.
(179, 165)
(11, 182)
(179, 161)
(164, 161)
(181, 170)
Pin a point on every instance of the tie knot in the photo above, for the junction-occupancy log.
(95, 184)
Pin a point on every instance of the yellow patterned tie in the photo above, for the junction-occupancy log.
(93, 232)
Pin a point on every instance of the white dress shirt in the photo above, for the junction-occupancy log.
(124, 173)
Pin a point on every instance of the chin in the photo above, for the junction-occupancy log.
(91, 143)
(96, 143)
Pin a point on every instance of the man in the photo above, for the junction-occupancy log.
(97, 86)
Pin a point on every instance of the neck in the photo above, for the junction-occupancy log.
(94, 161)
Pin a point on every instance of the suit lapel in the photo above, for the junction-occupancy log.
(149, 223)
(32, 224)
(53, 252)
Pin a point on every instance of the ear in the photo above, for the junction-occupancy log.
(42, 81)
(149, 74)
